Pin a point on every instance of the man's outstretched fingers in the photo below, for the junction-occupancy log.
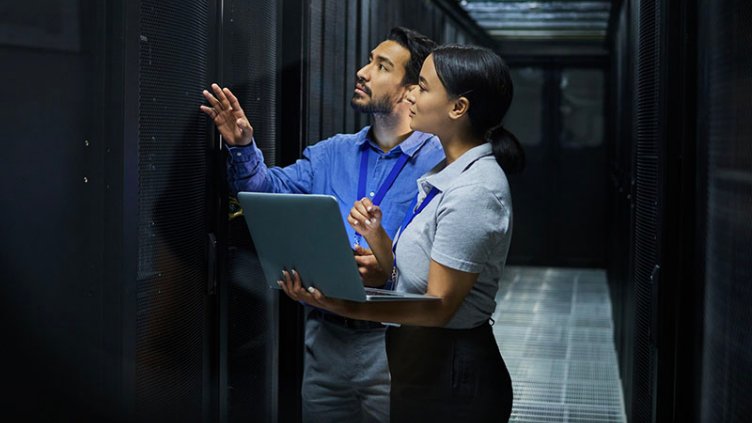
(211, 99)
(233, 100)
(224, 103)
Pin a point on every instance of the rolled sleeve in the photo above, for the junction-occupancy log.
(246, 170)
(470, 222)
(298, 178)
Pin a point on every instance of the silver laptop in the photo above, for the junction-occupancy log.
(305, 232)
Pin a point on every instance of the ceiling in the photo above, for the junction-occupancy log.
(508, 20)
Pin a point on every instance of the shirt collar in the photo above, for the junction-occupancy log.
(442, 175)
(409, 146)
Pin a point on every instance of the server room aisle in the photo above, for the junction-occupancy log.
(555, 331)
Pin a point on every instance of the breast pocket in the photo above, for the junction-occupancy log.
(394, 216)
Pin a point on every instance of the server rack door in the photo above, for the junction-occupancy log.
(725, 178)
(173, 331)
(249, 341)
(647, 218)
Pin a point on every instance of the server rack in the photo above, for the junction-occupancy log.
(724, 179)
(681, 175)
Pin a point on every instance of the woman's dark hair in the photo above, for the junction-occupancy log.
(419, 47)
(482, 77)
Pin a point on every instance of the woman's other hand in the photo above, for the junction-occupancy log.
(292, 285)
(365, 217)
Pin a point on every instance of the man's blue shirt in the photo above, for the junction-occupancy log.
(332, 167)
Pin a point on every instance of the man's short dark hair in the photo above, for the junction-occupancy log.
(419, 47)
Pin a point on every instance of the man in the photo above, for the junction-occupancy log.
(345, 372)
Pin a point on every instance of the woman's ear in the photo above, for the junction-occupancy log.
(459, 108)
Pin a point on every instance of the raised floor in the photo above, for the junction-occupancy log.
(555, 332)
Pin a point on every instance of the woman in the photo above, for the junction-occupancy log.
(444, 361)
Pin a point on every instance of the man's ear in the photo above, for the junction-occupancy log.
(459, 108)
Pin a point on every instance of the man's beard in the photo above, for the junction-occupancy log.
(381, 105)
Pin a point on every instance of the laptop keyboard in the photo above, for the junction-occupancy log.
(376, 291)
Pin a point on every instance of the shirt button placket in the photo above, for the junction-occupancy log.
(376, 172)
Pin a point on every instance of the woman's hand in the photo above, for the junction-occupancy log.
(365, 217)
(292, 284)
(370, 271)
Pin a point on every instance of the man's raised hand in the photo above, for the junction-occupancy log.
(228, 116)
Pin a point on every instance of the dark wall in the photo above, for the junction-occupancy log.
(54, 352)
(558, 114)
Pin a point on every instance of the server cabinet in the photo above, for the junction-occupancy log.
(161, 208)
(112, 306)
(249, 317)
(648, 191)
(725, 201)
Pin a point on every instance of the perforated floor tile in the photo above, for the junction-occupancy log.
(555, 331)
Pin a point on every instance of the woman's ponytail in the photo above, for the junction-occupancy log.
(507, 150)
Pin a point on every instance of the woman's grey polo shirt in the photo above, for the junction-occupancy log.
(467, 227)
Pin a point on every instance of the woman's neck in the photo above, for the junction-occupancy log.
(457, 144)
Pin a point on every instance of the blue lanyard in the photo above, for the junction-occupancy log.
(411, 213)
(388, 182)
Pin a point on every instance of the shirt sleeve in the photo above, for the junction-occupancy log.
(471, 222)
(246, 171)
